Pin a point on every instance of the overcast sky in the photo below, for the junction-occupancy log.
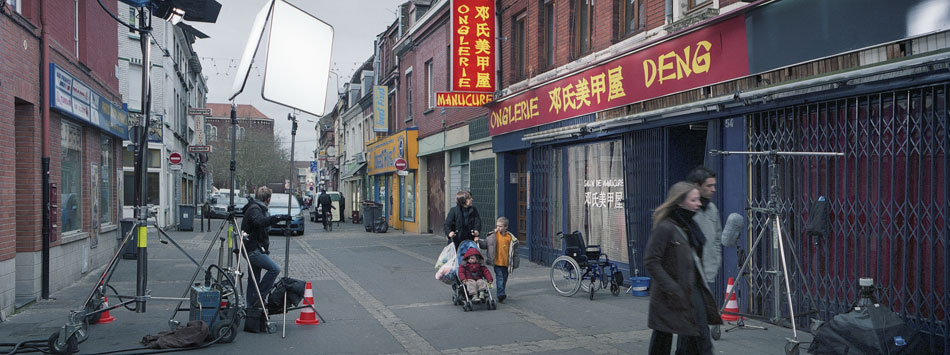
(355, 23)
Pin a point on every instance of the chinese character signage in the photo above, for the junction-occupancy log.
(473, 45)
(710, 55)
(380, 108)
(461, 99)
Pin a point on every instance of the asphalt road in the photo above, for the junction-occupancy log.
(378, 295)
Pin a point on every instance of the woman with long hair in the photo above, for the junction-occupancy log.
(680, 300)
(463, 221)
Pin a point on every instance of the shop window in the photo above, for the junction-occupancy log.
(583, 31)
(459, 178)
(105, 177)
(71, 177)
(633, 16)
(595, 196)
(407, 198)
(151, 191)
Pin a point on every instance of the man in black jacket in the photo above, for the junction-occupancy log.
(255, 223)
(324, 205)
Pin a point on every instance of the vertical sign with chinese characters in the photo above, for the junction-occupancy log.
(380, 108)
(473, 45)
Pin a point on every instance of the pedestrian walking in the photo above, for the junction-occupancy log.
(708, 219)
(680, 300)
(463, 221)
(502, 253)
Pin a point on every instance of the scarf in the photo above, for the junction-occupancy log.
(684, 219)
(705, 202)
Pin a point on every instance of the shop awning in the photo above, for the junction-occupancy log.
(351, 169)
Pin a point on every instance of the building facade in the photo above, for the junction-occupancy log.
(597, 119)
(177, 84)
(255, 134)
(62, 114)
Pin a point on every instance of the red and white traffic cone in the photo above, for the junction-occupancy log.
(105, 317)
(732, 304)
(307, 315)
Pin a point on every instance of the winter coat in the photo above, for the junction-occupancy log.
(513, 258)
(473, 271)
(462, 221)
(676, 273)
(255, 223)
(711, 225)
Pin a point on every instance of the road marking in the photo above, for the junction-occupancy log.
(408, 338)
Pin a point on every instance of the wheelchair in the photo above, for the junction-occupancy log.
(583, 267)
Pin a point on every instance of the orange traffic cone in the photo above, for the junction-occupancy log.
(732, 305)
(105, 317)
(307, 315)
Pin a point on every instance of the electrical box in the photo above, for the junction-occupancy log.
(205, 303)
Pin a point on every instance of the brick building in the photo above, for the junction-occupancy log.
(61, 228)
(251, 124)
(615, 101)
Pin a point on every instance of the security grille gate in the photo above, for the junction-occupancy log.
(543, 246)
(888, 196)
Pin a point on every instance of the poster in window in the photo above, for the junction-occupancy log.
(94, 192)
(596, 199)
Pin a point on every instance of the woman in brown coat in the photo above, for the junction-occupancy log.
(680, 301)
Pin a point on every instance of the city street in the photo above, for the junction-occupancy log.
(377, 295)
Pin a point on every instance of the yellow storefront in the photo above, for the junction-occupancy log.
(396, 190)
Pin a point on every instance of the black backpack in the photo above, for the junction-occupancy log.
(294, 289)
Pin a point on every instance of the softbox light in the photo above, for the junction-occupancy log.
(298, 59)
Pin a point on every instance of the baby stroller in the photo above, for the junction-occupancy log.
(461, 293)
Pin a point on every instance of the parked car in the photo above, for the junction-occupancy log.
(278, 205)
(219, 206)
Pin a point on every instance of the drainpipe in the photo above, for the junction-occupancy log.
(669, 12)
(44, 104)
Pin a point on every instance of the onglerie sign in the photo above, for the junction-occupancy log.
(707, 56)
(473, 45)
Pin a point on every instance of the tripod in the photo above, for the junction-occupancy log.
(774, 223)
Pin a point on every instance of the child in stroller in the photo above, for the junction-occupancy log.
(472, 278)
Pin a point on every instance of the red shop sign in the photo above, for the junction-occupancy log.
(473, 45)
(707, 56)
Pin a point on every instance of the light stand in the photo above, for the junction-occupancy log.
(292, 117)
(774, 223)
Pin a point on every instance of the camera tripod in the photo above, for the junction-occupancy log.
(779, 240)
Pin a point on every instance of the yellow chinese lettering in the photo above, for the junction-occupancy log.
(582, 93)
(482, 46)
(481, 62)
(483, 81)
(555, 95)
(567, 97)
(615, 83)
(482, 30)
(597, 86)
(482, 12)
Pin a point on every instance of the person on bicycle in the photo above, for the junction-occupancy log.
(325, 205)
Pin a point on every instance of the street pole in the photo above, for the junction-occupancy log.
(293, 136)
(141, 209)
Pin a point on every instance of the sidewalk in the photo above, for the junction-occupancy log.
(377, 295)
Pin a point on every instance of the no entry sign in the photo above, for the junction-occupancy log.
(401, 164)
(174, 158)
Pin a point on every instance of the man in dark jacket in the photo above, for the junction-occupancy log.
(324, 205)
(255, 223)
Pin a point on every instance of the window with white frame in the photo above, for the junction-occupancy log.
(105, 177)
(430, 91)
(15, 5)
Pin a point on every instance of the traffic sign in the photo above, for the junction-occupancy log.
(174, 158)
(401, 164)
(199, 148)
(174, 167)
(199, 111)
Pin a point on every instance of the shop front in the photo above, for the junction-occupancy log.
(392, 168)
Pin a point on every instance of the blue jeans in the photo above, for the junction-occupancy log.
(501, 279)
(260, 261)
